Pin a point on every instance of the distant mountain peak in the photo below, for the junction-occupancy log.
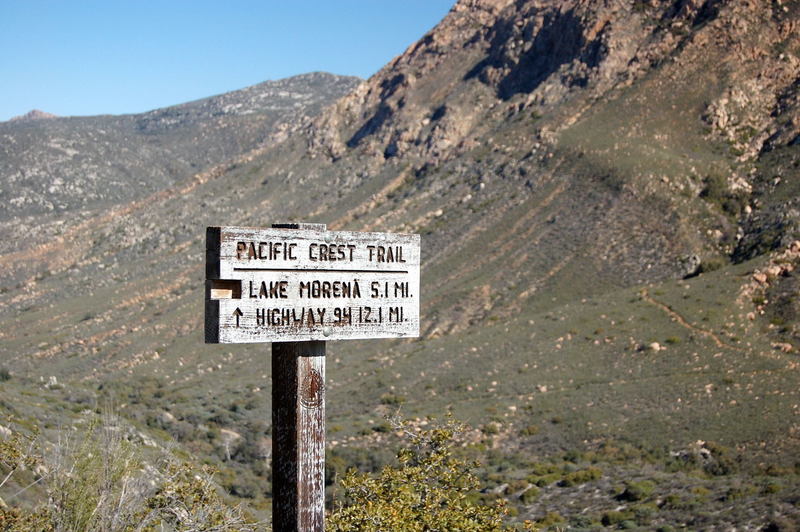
(34, 114)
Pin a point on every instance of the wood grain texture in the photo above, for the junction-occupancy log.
(305, 283)
(298, 444)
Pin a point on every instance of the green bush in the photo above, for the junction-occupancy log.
(543, 468)
(515, 486)
(710, 265)
(718, 192)
(544, 474)
(740, 491)
(701, 492)
(99, 480)
(723, 463)
(429, 489)
(392, 399)
(637, 491)
(490, 429)
(551, 518)
(615, 517)
(529, 495)
(581, 476)
(643, 513)
(573, 456)
(672, 501)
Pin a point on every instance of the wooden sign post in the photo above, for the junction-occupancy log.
(297, 285)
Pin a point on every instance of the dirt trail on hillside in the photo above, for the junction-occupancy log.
(682, 321)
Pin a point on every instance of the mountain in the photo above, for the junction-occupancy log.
(63, 166)
(33, 114)
(607, 197)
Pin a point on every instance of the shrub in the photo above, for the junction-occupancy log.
(672, 501)
(551, 518)
(615, 517)
(490, 429)
(515, 486)
(542, 468)
(382, 427)
(544, 474)
(100, 481)
(573, 456)
(428, 490)
(581, 476)
(529, 495)
(739, 491)
(4, 374)
(637, 491)
(710, 265)
(718, 192)
(392, 399)
(722, 462)
(643, 513)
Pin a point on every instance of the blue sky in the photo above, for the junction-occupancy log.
(89, 57)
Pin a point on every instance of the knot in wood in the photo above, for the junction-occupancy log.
(312, 392)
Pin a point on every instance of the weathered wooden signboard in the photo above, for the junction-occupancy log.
(278, 285)
(298, 285)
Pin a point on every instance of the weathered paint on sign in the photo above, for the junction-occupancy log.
(279, 285)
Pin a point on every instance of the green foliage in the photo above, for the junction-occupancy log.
(490, 429)
(428, 490)
(99, 480)
(723, 462)
(551, 518)
(5, 375)
(529, 495)
(16, 452)
(637, 491)
(581, 476)
(189, 500)
(93, 482)
(710, 265)
(718, 192)
(672, 501)
(516, 486)
(392, 399)
(739, 491)
(544, 474)
(615, 517)
(772, 487)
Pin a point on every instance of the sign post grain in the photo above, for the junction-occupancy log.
(298, 285)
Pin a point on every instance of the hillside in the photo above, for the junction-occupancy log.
(54, 168)
(608, 199)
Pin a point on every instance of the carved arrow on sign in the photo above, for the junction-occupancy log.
(238, 313)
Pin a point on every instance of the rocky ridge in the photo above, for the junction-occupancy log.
(34, 114)
(68, 164)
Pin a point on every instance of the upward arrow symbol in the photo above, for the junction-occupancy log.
(238, 313)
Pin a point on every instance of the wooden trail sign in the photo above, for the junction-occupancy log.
(297, 285)
(274, 285)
